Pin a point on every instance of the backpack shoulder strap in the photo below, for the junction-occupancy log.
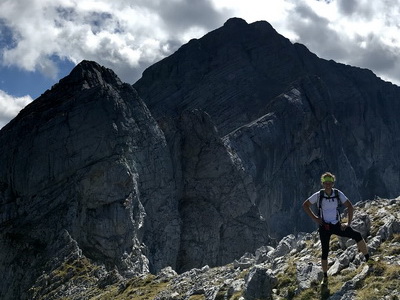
(339, 204)
(336, 195)
(321, 196)
(336, 192)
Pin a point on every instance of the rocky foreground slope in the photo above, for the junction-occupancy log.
(291, 270)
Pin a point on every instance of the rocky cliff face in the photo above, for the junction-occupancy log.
(216, 197)
(86, 170)
(287, 114)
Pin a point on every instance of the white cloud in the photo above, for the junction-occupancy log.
(117, 34)
(128, 36)
(11, 106)
(360, 33)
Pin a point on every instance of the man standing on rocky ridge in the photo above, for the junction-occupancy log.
(328, 219)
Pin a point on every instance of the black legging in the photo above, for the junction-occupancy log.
(325, 236)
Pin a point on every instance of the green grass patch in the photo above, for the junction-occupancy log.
(197, 297)
(145, 288)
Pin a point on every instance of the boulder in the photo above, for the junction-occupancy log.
(308, 274)
(259, 284)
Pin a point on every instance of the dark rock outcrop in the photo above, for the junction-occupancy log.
(216, 197)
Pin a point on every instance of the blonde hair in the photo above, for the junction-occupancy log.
(328, 174)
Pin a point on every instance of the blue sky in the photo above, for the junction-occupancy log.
(42, 40)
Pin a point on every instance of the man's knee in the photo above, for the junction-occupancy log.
(358, 238)
(353, 234)
(325, 252)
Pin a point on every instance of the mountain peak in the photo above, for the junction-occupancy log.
(84, 76)
(89, 74)
(235, 22)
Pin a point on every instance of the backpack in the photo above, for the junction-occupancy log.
(335, 194)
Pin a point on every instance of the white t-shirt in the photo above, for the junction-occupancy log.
(328, 206)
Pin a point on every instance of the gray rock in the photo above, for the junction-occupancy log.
(259, 284)
(245, 262)
(166, 274)
(261, 254)
(374, 243)
(391, 226)
(307, 274)
(347, 290)
(286, 245)
(362, 223)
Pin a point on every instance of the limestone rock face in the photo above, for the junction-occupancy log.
(288, 115)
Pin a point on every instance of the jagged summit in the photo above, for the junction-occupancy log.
(240, 26)
(235, 22)
(90, 74)
(84, 76)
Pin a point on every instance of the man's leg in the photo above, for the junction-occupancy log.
(324, 264)
(324, 236)
(362, 247)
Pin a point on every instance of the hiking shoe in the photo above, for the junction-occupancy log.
(324, 281)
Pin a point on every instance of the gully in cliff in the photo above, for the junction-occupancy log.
(328, 200)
